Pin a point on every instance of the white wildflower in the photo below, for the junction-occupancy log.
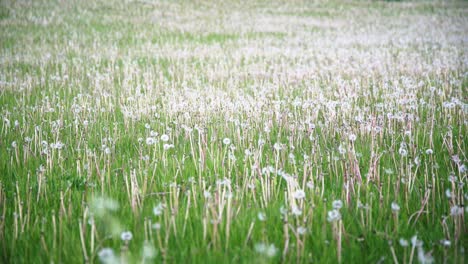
(462, 169)
(395, 207)
(126, 236)
(333, 215)
(57, 145)
(337, 204)
(148, 251)
(301, 230)
(448, 193)
(168, 146)
(456, 210)
(342, 149)
(261, 142)
(261, 216)
(446, 242)
(296, 211)
(107, 256)
(107, 151)
(150, 141)
(283, 210)
(415, 242)
(299, 194)
(267, 250)
(424, 258)
(271, 251)
(403, 152)
(403, 242)
(158, 209)
(164, 138)
(277, 146)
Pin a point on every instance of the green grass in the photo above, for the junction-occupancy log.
(288, 84)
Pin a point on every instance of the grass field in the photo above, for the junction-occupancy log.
(233, 132)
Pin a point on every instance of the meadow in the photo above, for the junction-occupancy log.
(155, 131)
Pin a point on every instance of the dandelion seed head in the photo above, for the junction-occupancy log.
(158, 209)
(261, 142)
(403, 152)
(168, 146)
(462, 168)
(403, 242)
(301, 230)
(299, 194)
(424, 258)
(448, 193)
(150, 141)
(148, 251)
(337, 204)
(261, 216)
(296, 211)
(446, 242)
(164, 138)
(333, 215)
(126, 236)
(266, 250)
(283, 210)
(277, 146)
(395, 207)
(456, 210)
(415, 242)
(57, 145)
(107, 256)
(342, 149)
